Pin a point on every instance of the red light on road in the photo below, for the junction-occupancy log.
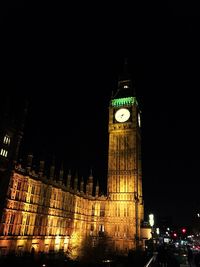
(183, 230)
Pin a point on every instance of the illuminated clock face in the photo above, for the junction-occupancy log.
(122, 115)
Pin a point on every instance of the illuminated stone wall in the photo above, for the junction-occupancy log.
(43, 214)
(126, 211)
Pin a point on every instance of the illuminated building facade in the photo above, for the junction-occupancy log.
(43, 213)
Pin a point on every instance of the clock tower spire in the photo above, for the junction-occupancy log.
(126, 85)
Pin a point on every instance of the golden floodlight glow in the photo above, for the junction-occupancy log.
(66, 240)
(57, 240)
(74, 245)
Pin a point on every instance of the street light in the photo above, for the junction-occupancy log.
(151, 222)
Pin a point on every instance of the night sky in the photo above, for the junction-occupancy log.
(67, 65)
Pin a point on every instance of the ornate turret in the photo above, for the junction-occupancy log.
(41, 168)
(97, 189)
(52, 169)
(87, 189)
(82, 185)
(69, 177)
(61, 174)
(90, 183)
(29, 162)
(76, 182)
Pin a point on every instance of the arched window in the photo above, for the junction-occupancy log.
(4, 153)
(6, 139)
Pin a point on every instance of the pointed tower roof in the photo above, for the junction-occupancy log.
(69, 176)
(76, 180)
(52, 168)
(90, 178)
(82, 185)
(61, 172)
(126, 86)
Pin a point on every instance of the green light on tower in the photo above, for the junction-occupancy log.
(125, 101)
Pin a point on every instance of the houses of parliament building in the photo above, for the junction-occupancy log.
(41, 213)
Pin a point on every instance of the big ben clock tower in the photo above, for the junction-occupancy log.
(124, 166)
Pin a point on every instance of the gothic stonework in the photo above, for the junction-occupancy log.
(45, 214)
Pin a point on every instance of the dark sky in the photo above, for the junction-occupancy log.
(67, 64)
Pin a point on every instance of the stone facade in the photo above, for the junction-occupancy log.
(45, 214)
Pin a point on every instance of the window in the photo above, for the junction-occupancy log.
(102, 210)
(117, 230)
(27, 219)
(10, 229)
(101, 228)
(93, 209)
(26, 230)
(6, 140)
(118, 210)
(33, 189)
(12, 217)
(31, 199)
(18, 185)
(17, 195)
(125, 212)
(4, 153)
